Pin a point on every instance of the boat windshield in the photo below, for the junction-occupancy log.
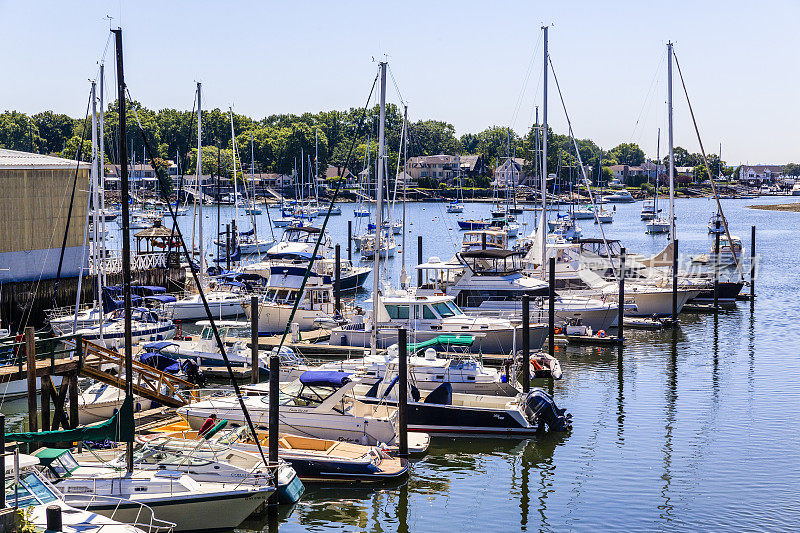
(443, 309)
(299, 395)
(32, 491)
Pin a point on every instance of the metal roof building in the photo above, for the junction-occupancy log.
(35, 194)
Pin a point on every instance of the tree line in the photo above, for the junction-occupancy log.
(286, 142)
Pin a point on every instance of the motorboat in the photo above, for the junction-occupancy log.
(173, 495)
(314, 460)
(583, 213)
(730, 251)
(712, 224)
(276, 304)
(146, 325)
(492, 281)
(473, 224)
(507, 224)
(101, 401)
(317, 404)
(27, 488)
(429, 368)
(649, 210)
(484, 239)
(299, 243)
(442, 412)
(604, 217)
(203, 460)
(224, 300)
(657, 226)
(387, 247)
(427, 316)
(621, 196)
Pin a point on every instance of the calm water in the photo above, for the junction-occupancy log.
(693, 428)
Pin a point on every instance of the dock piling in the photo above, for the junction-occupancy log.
(551, 308)
(337, 282)
(274, 418)
(752, 263)
(621, 299)
(254, 340)
(716, 267)
(53, 518)
(30, 354)
(227, 246)
(402, 393)
(526, 343)
(419, 260)
(3, 459)
(349, 240)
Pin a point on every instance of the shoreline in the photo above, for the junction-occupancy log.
(786, 208)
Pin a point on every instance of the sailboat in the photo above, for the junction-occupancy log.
(659, 224)
(457, 205)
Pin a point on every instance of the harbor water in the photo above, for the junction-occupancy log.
(693, 428)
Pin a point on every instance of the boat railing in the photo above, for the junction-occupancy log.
(67, 310)
(204, 394)
(145, 516)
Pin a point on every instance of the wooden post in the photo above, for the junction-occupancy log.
(419, 261)
(402, 393)
(621, 310)
(337, 283)
(349, 240)
(46, 385)
(752, 263)
(254, 369)
(675, 283)
(274, 415)
(551, 308)
(227, 246)
(73, 400)
(526, 343)
(30, 354)
(716, 267)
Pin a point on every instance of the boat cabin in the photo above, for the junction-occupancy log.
(484, 239)
(425, 308)
(492, 262)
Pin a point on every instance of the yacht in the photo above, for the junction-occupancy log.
(224, 300)
(657, 226)
(484, 239)
(493, 281)
(621, 196)
(649, 210)
(317, 404)
(583, 213)
(316, 308)
(427, 316)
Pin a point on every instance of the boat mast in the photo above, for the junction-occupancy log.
(96, 206)
(655, 196)
(544, 158)
(198, 181)
(235, 186)
(379, 212)
(404, 135)
(103, 178)
(671, 153)
(126, 235)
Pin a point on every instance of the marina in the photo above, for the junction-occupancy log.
(583, 346)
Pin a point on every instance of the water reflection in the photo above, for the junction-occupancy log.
(671, 397)
(620, 397)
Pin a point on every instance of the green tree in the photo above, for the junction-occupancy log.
(628, 154)
(19, 132)
(54, 130)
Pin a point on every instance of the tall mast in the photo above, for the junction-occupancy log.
(235, 185)
(102, 169)
(378, 213)
(544, 159)
(198, 182)
(671, 153)
(658, 154)
(403, 273)
(96, 204)
(126, 235)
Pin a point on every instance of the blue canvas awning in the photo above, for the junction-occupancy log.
(324, 378)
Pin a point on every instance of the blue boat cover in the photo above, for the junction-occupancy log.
(163, 298)
(147, 290)
(160, 362)
(324, 378)
(158, 345)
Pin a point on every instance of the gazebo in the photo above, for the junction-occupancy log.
(156, 236)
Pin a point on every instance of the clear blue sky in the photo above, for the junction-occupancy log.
(464, 62)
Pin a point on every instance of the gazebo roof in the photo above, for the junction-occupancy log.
(156, 232)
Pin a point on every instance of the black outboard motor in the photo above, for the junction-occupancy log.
(541, 408)
(193, 373)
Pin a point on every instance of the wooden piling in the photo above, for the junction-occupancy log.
(752, 263)
(716, 267)
(402, 393)
(350, 240)
(551, 309)
(274, 414)
(30, 354)
(337, 281)
(254, 340)
(73, 400)
(228, 246)
(526, 343)
(621, 309)
(419, 261)
(46, 385)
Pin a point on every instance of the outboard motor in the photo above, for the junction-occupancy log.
(193, 373)
(539, 407)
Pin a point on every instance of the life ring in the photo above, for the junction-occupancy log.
(558, 330)
(601, 333)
